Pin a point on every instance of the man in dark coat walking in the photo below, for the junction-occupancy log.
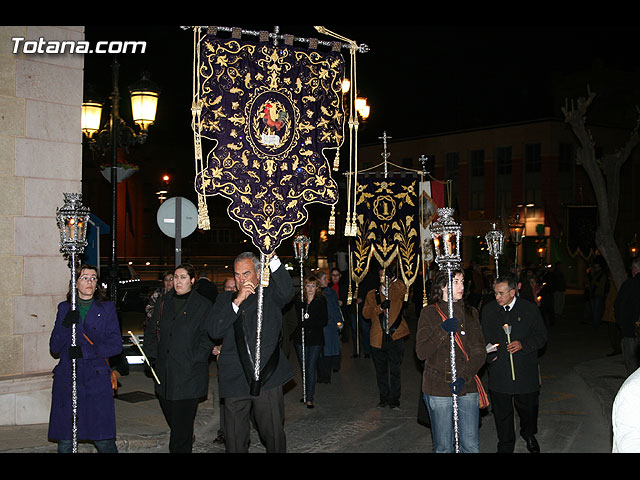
(520, 385)
(235, 316)
(627, 312)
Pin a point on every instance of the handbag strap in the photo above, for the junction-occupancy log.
(483, 397)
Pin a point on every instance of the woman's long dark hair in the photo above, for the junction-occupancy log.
(99, 294)
(441, 281)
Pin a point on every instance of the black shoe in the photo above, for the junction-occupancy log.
(532, 445)
(355, 355)
(309, 404)
(366, 355)
(395, 406)
(382, 405)
(219, 439)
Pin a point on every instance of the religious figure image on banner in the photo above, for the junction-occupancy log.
(273, 112)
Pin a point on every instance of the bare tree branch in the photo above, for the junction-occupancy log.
(604, 174)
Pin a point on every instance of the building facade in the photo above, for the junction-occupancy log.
(528, 168)
(40, 159)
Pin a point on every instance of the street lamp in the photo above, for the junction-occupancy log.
(446, 235)
(144, 100)
(72, 219)
(516, 229)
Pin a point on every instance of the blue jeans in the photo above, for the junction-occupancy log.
(312, 354)
(103, 446)
(441, 415)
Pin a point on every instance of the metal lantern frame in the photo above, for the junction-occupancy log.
(495, 244)
(301, 245)
(446, 235)
(72, 220)
(516, 231)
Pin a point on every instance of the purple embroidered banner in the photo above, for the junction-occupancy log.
(273, 113)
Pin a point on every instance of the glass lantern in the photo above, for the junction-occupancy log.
(495, 244)
(516, 229)
(446, 240)
(301, 247)
(72, 219)
(144, 102)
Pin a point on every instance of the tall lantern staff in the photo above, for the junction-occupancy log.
(301, 249)
(72, 219)
(495, 244)
(446, 241)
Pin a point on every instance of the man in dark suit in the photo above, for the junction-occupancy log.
(206, 287)
(520, 386)
(235, 319)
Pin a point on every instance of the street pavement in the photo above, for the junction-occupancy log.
(579, 384)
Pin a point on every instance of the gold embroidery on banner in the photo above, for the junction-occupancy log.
(269, 124)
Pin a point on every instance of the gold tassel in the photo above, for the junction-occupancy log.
(332, 221)
(203, 214)
(336, 161)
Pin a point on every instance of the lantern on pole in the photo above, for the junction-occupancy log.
(495, 244)
(72, 219)
(301, 251)
(446, 235)
(516, 229)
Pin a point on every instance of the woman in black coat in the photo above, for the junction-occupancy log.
(178, 346)
(312, 316)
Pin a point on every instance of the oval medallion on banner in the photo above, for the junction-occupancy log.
(272, 123)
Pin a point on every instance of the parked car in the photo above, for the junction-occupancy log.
(132, 297)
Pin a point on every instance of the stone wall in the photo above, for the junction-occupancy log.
(40, 159)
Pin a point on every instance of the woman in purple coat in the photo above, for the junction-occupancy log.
(98, 337)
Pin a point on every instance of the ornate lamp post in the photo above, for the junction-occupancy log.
(516, 230)
(446, 235)
(144, 99)
(301, 251)
(72, 219)
(495, 244)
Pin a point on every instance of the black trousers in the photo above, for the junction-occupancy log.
(180, 415)
(388, 364)
(526, 405)
(267, 412)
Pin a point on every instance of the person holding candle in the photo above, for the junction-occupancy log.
(433, 346)
(514, 380)
(98, 337)
(179, 354)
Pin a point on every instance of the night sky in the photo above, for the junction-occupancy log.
(418, 79)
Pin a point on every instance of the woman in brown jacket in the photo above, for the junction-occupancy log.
(433, 347)
(387, 349)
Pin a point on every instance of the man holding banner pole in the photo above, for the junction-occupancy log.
(235, 319)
